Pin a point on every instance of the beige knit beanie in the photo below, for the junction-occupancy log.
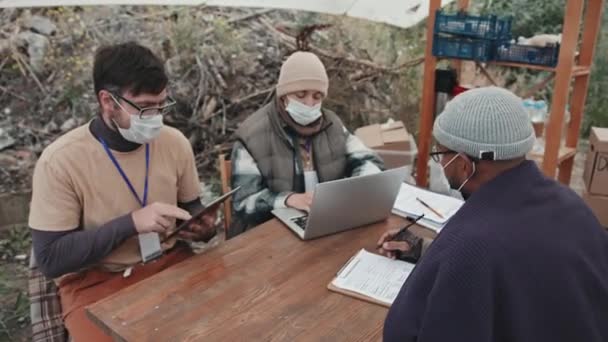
(302, 71)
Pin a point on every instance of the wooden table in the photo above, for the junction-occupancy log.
(264, 285)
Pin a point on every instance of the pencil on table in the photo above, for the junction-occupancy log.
(429, 207)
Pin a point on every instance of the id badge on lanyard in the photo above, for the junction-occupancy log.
(149, 243)
(311, 179)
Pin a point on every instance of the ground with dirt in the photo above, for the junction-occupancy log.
(14, 303)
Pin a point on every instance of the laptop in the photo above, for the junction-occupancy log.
(345, 204)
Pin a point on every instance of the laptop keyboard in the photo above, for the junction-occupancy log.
(301, 221)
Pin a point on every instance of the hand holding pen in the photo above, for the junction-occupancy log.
(395, 241)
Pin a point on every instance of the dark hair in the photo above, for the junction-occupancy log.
(128, 67)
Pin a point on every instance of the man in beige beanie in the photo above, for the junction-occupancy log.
(288, 146)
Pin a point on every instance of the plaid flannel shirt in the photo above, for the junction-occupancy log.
(45, 307)
(256, 200)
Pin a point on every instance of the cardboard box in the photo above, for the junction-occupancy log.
(596, 166)
(599, 206)
(394, 159)
(391, 136)
(391, 141)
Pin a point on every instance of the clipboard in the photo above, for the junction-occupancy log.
(364, 266)
(356, 295)
(333, 288)
(208, 208)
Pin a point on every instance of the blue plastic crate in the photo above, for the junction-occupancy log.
(536, 55)
(463, 48)
(482, 27)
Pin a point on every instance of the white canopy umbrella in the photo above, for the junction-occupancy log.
(401, 13)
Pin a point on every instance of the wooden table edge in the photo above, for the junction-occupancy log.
(103, 326)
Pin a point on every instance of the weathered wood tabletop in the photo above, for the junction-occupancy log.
(264, 285)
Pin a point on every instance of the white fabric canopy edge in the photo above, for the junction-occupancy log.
(401, 13)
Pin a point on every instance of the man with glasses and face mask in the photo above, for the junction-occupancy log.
(524, 259)
(284, 149)
(107, 194)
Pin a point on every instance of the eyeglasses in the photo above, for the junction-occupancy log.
(148, 111)
(436, 155)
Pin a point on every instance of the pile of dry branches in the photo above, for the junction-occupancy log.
(223, 65)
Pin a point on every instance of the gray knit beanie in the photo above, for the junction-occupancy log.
(488, 123)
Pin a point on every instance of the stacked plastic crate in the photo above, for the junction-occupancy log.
(528, 54)
(465, 36)
(485, 38)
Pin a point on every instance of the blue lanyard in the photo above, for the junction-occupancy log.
(124, 176)
(308, 145)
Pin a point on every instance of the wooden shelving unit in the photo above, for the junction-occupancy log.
(564, 154)
(571, 83)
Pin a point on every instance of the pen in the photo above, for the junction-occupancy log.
(402, 230)
(429, 207)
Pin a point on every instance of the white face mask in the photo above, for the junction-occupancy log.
(438, 182)
(466, 180)
(303, 114)
(142, 130)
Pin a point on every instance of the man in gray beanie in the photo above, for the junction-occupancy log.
(523, 260)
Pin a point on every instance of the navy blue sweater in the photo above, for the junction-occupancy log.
(523, 260)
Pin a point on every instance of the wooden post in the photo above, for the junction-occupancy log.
(563, 77)
(592, 23)
(427, 107)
